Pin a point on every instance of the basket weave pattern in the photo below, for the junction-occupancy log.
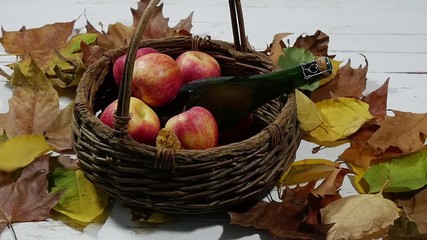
(183, 181)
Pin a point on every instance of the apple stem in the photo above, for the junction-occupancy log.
(124, 90)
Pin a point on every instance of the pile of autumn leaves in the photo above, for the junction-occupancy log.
(386, 160)
(51, 62)
(386, 157)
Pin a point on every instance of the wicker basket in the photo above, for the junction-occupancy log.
(183, 181)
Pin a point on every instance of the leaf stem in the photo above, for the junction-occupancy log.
(10, 226)
(4, 74)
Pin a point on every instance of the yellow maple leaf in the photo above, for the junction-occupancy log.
(331, 119)
(19, 151)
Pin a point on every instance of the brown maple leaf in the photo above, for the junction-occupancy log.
(27, 199)
(34, 109)
(405, 132)
(317, 43)
(119, 35)
(377, 101)
(348, 82)
(39, 43)
(359, 154)
(281, 219)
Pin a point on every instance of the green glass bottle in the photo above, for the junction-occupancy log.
(231, 98)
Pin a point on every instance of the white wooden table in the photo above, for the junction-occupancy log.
(391, 33)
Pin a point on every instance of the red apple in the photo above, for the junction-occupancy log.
(156, 79)
(195, 128)
(119, 64)
(144, 124)
(197, 65)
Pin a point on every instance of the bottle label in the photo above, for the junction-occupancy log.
(317, 69)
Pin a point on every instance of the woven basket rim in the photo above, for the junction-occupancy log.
(130, 144)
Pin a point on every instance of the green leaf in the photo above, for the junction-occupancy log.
(294, 57)
(405, 173)
(82, 201)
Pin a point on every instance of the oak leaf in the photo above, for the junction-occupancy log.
(34, 109)
(348, 82)
(27, 199)
(81, 200)
(347, 213)
(404, 132)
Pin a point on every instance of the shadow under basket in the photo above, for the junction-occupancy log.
(184, 181)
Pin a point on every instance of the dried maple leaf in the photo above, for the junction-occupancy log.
(377, 101)
(404, 132)
(317, 43)
(39, 43)
(34, 109)
(119, 35)
(281, 219)
(28, 198)
(348, 82)
(359, 153)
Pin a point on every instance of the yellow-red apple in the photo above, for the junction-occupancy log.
(156, 79)
(144, 124)
(119, 64)
(196, 65)
(195, 128)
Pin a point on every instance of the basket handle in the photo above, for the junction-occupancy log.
(238, 26)
(122, 113)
